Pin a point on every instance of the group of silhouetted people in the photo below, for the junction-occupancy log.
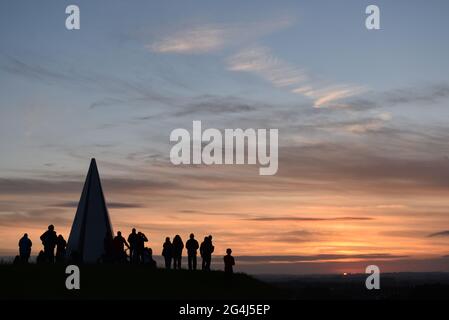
(50, 241)
(115, 250)
(173, 251)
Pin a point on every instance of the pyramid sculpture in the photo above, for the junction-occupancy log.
(91, 225)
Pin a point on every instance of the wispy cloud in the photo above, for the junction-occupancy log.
(42, 186)
(112, 205)
(63, 74)
(196, 40)
(212, 37)
(309, 219)
(318, 257)
(261, 62)
(374, 123)
(424, 94)
(328, 95)
(444, 233)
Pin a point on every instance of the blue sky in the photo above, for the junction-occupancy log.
(326, 40)
(339, 94)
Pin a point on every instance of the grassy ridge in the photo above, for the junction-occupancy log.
(128, 282)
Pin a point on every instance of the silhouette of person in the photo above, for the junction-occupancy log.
(25, 245)
(61, 245)
(192, 247)
(132, 240)
(49, 240)
(203, 253)
(167, 252)
(148, 258)
(229, 262)
(178, 245)
(206, 250)
(119, 244)
(108, 247)
(140, 246)
(41, 257)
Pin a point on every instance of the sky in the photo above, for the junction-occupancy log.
(362, 116)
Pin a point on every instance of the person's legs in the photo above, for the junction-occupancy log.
(208, 261)
(132, 254)
(168, 263)
(189, 261)
(194, 261)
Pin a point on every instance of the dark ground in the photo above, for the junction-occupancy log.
(393, 286)
(129, 282)
(138, 282)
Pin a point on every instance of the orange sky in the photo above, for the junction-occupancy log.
(274, 216)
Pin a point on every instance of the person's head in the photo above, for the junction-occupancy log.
(25, 235)
(206, 238)
(134, 230)
(177, 237)
(60, 237)
(167, 239)
(139, 233)
(119, 233)
(192, 236)
(210, 237)
(228, 251)
(51, 227)
(150, 251)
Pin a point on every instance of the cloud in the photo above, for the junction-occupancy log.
(339, 166)
(208, 213)
(196, 40)
(419, 94)
(111, 205)
(42, 186)
(444, 233)
(63, 74)
(318, 257)
(37, 217)
(328, 95)
(285, 218)
(260, 61)
(212, 37)
(374, 123)
(217, 105)
(297, 236)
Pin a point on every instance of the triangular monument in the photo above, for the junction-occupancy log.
(91, 225)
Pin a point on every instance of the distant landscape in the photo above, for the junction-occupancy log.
(138, 282)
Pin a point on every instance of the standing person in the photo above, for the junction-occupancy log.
(178, 246)
(61, 245)
(229, 262)
(119, 248)
(140, 246)
(192, 247)
(208, 250)
(108, 247)
(49, 239)
(132, 240)
(167, 252)
(203, 249)
(25, 245)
